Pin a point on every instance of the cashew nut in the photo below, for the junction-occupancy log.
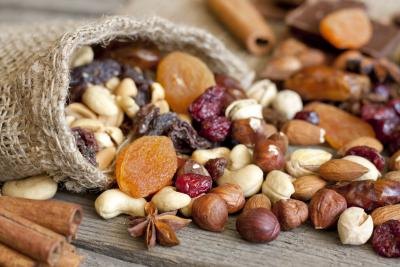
(39, 187)
(105, 157)
(240, 156)
(112, 83)
(167, 199)
(278, 185)
(88, 124)
(103, 139)
(79, 111)
(249, 178)
(127, 87)
(288, 103)
(82, 56)
(373, 172)
(204, 155)
(100, 100)
(115, 120)
(113, 202)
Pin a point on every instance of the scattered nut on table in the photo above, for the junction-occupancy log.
(354, 226)
(38, 187)
(278, 185)
(168, 199)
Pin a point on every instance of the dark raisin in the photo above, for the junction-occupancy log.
(163, 123)
(370, 154)
(208, 105)
(97, 72)
(216, 167)
(215, 129)
(309, 116)
(143, 120)
(86, 143)
(193, 184)
(386, 239)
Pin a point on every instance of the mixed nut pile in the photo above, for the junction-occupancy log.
(181, 139)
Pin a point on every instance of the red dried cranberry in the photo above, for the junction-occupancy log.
(309, 116)
(382, 92)
(377, 112)
(395, 104)
(216, 167)
(193, 184)
(215, 129)
(370, 154)
(394, 142)
(386, 239)
(385, 129)
(208, 105)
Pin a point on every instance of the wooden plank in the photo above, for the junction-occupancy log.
(302, 246)
(93, 259)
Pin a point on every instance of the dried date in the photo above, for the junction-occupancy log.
(369, 195)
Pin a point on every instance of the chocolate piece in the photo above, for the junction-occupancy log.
(304, 23)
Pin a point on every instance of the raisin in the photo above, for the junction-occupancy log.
(193, 184)
(184, 78)
(309, 116)
(370, 154)
(97, 72)
(163, 123)
(395, 104)
(86, 143)
(143, 120)
(146, 165)
(215, 129)
(216, 167)
(386, 239)
(208, 105)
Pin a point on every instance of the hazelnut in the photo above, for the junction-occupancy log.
(192, 166)
(306, 186)
(281, 140)
(210, 212)
(233, 196)
(355, 227)
(394, 162)
(257, 201)
(245, 131)
(268, 154)
(325, 208)
(274, 117)
(278, 185)
(258, 225)
(291, 213)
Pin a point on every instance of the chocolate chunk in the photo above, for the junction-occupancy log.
(304, 24)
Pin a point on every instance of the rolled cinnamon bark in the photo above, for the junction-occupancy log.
(29, 238)
(69, 259)
(246, 23)
(61, 217)
(12, 258)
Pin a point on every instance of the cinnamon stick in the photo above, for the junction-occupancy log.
(61, 217)
(246, 23)
(12, 258)
(28, 238)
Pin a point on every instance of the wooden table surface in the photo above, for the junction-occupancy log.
(107, 243)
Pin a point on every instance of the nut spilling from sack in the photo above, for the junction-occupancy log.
(178, 138)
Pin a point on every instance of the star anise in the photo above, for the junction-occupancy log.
(157, 228)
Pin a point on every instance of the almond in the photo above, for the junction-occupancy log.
(341, 170)
(386, 213)
(306, 186)
(303, 133)
(361, 141)
(394, 162)
(394, 175)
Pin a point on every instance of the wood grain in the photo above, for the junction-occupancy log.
(302, 246)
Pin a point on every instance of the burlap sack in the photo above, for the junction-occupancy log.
(34, 78)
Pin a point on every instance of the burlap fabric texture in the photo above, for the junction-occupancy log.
(34, 79)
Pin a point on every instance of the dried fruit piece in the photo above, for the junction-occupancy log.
(361, 141)
(326, 83)
(216, 167)
(146, 165)
(193, 184)
(137, 55)
(215, 129)
(184, 78)
(370, 154)
(346, 28)
(340, 126)
(86, 143)
(309, 116)
(386, 239)
(208, 105)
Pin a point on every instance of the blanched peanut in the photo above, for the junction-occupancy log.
(99, 99)
(127, 87)
(88, 124)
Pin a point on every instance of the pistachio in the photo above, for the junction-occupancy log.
(264, 91)
(244, 109)
(355, 227)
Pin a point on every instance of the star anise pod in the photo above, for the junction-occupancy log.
(157, 228)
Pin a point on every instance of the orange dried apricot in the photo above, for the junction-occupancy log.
(340, 126)
(348, 28)
(146, 165)
(184, 78)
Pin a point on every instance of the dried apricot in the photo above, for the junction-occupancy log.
(146, 165)
(340, 126)
(184, 78)
(348, 28)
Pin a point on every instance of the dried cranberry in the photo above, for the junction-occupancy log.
(215, 129)
(377, 112)
(216, 167)
(385, 130)
(386, 239)
(208, 105)
(394, 142)
(381, 92)
(193, 184)
(395, 104)
(309, 116)
(86, 143)
(370, 154)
